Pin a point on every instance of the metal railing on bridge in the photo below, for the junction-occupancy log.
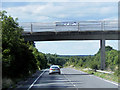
(70, 26)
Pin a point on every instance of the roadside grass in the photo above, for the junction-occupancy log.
(110, 77)
(106, 76)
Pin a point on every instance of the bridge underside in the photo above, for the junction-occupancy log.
(72, 35)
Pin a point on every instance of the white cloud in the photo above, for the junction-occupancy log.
(36, 12)
(61, 11)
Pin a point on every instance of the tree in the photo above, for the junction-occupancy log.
(17, 59)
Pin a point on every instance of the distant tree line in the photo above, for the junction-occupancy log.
(54, 59)
(90, 61)
(94, 61)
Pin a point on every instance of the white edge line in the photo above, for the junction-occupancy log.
(36, 80)
(69, 80)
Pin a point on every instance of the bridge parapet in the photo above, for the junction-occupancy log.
(70, 26)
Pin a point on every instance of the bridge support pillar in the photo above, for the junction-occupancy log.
(102, 46)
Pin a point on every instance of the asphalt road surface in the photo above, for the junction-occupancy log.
(69, 78)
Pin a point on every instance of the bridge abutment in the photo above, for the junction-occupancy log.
(102, 46)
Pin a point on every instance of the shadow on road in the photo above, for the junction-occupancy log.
(75, 74)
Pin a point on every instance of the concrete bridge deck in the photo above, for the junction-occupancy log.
(72, 35)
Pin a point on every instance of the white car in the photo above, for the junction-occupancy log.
(54, 69)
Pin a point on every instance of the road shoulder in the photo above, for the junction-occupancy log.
(27, 83)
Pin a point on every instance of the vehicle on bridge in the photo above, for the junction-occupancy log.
(54, 69)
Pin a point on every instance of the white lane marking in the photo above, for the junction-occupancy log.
(69, 80)
(36, 80)
(46, 84)
(98, 77)
(58, 80)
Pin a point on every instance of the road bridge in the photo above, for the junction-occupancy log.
(83, 30)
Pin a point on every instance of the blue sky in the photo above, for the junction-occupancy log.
(65, 11)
